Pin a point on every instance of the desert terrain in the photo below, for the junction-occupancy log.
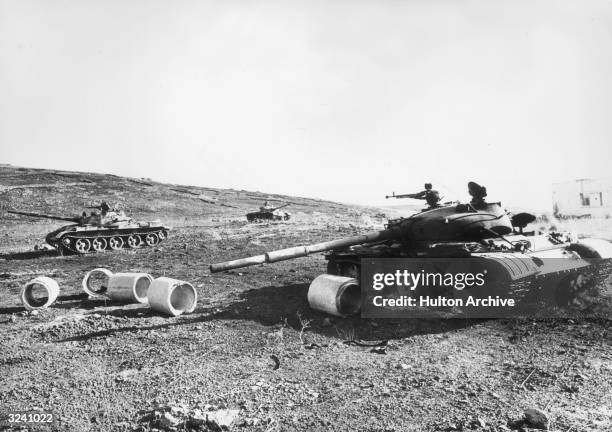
(253, 346)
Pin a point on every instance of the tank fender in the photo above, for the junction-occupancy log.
(508, 266)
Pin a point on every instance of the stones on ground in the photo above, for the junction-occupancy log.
(168, 421)
(251, 421)
(126, 373)
(223, 418)
(478, 422)
(536, 418)
(379, 350)
(211, 419)
(179, 410)
(216, 420)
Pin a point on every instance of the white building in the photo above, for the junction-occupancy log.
(583, 197)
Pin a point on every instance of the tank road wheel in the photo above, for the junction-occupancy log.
(134, 241)
(115, 243)
(82, 245)
(162, 235)
(99, 244)
(151, 239)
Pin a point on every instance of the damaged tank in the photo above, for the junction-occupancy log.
(109, 231)
(487, 234)
(267, 213)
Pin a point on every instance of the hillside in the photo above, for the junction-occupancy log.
(66, 193)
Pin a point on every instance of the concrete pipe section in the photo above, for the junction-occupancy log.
(39, 293)
(129, 287)
(335, 295)
(95, 282)
(172, 296)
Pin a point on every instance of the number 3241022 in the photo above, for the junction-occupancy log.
(30, 418)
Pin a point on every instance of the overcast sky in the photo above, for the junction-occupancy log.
(340, 99)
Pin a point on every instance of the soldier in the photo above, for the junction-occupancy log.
(104, 207)
(266, 206)
(478, 194)
(431, 196)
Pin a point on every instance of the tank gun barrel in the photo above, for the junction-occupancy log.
(280, 207)
(302, 251)
(45, 216)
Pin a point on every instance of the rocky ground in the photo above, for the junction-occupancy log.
(253, 355)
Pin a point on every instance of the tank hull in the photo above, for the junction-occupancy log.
(261, 216)
(75, 239)
(549, 267)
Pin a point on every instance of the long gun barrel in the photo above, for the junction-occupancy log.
(302, 251)
(400, 196)
(280, 207)
(40, 215)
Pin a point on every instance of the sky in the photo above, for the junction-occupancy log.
(347, 100)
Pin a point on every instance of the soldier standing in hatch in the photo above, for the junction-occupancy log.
(104, 208)
(106, 213)
(432, 197)
(478, 194)
(265, 207)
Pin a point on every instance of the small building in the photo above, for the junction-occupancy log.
(583, 198)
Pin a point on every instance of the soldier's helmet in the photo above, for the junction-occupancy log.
(428, 186)
(476, 190)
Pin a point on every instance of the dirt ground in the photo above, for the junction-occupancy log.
(253, 344)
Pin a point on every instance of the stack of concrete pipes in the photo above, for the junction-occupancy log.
(171, 296)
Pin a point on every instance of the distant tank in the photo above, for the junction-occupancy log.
(110, 230)
(489, 233)
(266, 213)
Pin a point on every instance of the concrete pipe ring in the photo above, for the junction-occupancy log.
(335, 295)
(172, 296)
(95, 282)
(129, 287)
(39, 293)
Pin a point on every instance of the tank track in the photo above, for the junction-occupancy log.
(72, 242)
(264, 216)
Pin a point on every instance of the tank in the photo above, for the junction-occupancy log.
(490, 234)
(269, 213)
(109, 231)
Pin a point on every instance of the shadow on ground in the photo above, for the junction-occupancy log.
(274, 305)
(30, 254)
